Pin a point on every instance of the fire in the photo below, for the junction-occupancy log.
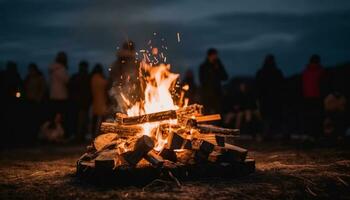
(157, 98)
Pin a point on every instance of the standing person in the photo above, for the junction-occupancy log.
(124, 77)
(80, 95)
(34, 84)
(59, 87)
(35, 88)
(11, 82)
(311, 87)
(269, 84)
(11, 104)
(99, 97)
(211, 74)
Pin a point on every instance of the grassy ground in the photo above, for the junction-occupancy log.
(284, 171)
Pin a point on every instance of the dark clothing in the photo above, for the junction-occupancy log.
(245, 101)
(269, 83)
(80, 101)
(313, 109)
(79, 90)
(35, 87)
(210, 77)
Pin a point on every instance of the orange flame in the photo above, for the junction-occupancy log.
(157, 98)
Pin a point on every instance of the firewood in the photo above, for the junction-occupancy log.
(105, 161)
(232, 153)
(206, 128)
(120, 130)
(175, 141)
(207, 118)
(216, 139)
(142, 146)
(104, 139)
(168, 154)
(152, 117)
(155, 159)
(191, 110)
(185, 156)
(181, 113)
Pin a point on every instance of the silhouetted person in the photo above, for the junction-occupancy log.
(99, 97)
(59, 89)
(124, 76)
(11, 81)
(80, 95)
(11, 105)
(192, 90)
(35, 90)
(246, 106)
(34, 84)
(269, 84)
(311, 83)
(211, 74)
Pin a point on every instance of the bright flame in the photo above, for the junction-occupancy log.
(157, 98)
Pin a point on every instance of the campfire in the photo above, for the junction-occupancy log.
(161, 136)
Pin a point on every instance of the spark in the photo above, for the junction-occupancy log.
(142, 50)
(178, 37)
(165, 59)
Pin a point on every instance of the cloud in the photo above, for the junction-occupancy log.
(259, 42)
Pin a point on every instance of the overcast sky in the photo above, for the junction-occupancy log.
(242, 30)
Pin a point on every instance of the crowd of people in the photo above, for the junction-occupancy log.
(69, 107)
(312, 104)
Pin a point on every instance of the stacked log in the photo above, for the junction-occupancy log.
(192, 149)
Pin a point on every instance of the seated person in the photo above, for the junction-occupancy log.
(52, 130)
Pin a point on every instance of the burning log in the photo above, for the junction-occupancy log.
(180, 114)
(143, 145)
(120, 130)
(152, 117)
(207, 118)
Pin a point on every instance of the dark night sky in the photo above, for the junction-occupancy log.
(243, 31)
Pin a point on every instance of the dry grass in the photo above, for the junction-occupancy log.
(283, 172)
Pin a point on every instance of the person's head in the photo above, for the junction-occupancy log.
(33, 69)
(83, 67)
(269, 61)
(154, 51)
(212, 55)
(98, 69)
(61, 58)
(315, 59)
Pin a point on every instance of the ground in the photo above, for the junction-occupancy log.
(284, 171)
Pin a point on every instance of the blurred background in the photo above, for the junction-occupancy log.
(274, 69)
